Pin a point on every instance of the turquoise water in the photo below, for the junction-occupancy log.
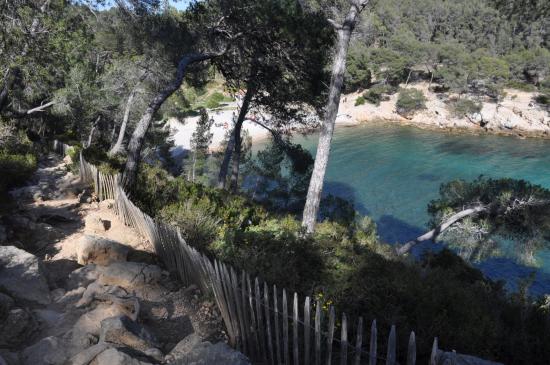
(392, 172)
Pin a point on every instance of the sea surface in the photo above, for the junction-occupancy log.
(392, 172)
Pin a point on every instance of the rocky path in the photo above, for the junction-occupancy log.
(78, 287)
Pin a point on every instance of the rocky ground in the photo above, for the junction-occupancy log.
(78, 287)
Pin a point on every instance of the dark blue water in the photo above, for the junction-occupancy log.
(392, 172)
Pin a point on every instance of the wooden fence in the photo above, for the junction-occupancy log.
(264, 322)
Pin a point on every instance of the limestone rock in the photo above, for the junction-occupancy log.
(100, 251)
(93, 223)
(113, 294)
(129, 274)
(47, 351)
(82, 277)
(22, 276)
(18, 327)
(191, 350)
(86, 356)
(121, 330)
(114, 357)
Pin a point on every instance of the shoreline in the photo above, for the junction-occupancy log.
(515, 116)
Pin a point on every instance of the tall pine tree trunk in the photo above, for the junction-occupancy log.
(222, 175)
(315, 189)
(136, 142)
(237, 144)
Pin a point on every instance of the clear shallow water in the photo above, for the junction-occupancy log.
(392, 172)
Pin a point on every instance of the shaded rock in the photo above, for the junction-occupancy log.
(57, 271)
(192, 351)
(112, 356)
(22, 276)
(81, 278)
(100, 251)
(93, 223)
(47, 351)
(129, 274)
(86, 356)
(122, 330)
(155, 354)
(460, 359)
(6, 303)
(18, 327)
(9, 358)
(128, 305)
(183, 347)
(3, 234)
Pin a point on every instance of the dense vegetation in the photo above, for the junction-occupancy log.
(470, 46)
(106, 81)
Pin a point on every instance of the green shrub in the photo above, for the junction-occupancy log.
(464, 107)
(359, 101)
(16, 169)
(197, 222)
(214, 100)
(543, 99)
(105, 163)
(410, 101)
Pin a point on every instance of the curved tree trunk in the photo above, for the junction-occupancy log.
(136, 142)
(313, 200)
(238, 139)
(117, 148)
(432, 235)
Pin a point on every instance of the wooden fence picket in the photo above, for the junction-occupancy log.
(358, 342)
(390, 357)
(373, 343)
(411, 351)
(307, 330)
(344, 341)
(295, 349)
(285, 329)
(330, 337)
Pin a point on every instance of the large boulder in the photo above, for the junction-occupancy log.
(100, 251)
(121, 330)
(47, 351)
(22, 276)
(192, 350)
(129, 275)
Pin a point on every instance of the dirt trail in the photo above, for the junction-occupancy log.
(77, 282)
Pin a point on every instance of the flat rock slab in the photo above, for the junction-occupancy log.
(129, 275)
(99, 251)
(22, 276)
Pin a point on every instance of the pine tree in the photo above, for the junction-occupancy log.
(200, 141)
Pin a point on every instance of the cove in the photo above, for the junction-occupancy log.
(391, 173)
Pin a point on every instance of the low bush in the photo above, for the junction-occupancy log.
(214, 100)
(360, 101)
(377, 93)
(106, 164)
(15, 168)
(410, 101)
(464, 107)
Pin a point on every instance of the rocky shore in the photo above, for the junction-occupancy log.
(517, 114)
